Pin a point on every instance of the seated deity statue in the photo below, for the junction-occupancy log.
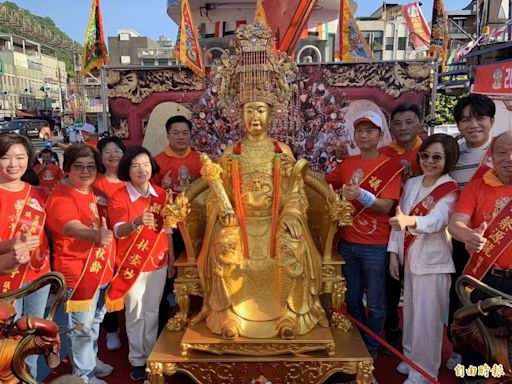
(260, 269)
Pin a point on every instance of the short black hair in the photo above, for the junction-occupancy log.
(75, 151)
(123, 173)
(177, 119)
(451, 149)
(46, 150)
(103, 143)
(479, 105)
(406, 107)
(9, 139)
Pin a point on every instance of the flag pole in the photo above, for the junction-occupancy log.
(104, 98)
(433, 96)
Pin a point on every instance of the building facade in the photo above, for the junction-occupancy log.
(33, 81)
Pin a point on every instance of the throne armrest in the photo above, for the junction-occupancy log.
(192, 230)
(321, 225)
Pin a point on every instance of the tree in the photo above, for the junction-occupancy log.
(444, 109)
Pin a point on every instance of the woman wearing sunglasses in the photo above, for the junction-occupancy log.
(84, 254)
(419, 241)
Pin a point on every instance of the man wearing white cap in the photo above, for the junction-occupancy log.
(371, 181)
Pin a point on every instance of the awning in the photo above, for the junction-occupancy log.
(24, 114)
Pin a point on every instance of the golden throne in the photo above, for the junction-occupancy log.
(325, 209)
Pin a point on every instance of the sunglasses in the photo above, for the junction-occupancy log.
(82, 167)
(436, 157)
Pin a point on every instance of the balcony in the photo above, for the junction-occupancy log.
(154, 53)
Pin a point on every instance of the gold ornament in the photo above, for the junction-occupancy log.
(175, 212)
(254, 73)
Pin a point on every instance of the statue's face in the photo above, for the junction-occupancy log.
(256, 116)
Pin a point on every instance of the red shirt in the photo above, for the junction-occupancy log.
(64, 205)
(182, 170)
(122, 209)
(408, 159)
(39, 258)
(482, 199)
(105, 185)
(369, 227)
(49, 176)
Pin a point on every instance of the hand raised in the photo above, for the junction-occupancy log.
(30, 240)
(400, 221)
(104, 235)
(351, 191)
(475, 240)
(147, 218)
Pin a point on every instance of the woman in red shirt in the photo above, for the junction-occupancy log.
(23, 216)
(142, 254)
(111, 150)
(84, 254)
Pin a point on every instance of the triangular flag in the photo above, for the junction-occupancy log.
(190, 53)
(260, 17)
(95, 52)
(353, 46)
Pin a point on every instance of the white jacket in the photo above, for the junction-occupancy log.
(431, 251)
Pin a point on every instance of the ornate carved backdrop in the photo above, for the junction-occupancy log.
(319, 124)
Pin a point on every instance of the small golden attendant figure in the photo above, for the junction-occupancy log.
(259, 267)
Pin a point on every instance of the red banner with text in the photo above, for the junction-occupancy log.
(494, 79)
(417, 25)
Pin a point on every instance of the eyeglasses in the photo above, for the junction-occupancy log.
(82, 167)
(436, 157)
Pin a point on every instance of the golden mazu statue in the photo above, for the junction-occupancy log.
(261, 268)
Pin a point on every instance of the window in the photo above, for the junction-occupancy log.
(148, 63)
(390, 42)
(125, 59)
(163, 62)
(124, 36)
(401, 43)
(374, 40)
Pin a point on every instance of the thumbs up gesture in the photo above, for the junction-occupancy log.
(30, 240)
(20, 250)
(475, 239)
(400, 222)
(351, 191)
(147, 218)
(104, 235)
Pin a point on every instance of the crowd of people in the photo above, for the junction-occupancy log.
(84, 221)
(425, 210)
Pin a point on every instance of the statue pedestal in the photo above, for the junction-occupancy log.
(200, 338)
(350, 356)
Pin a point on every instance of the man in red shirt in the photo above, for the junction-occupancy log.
(372, 182)
(405, 127)
(179, 166)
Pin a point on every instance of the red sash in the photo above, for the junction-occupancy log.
(424, 207)
(30, 219)
(484, 163)
(134, 260)
(499, 242)
(374, 181)
(81, 298)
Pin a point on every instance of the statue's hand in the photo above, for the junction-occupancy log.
(292, 224)
(228, 219)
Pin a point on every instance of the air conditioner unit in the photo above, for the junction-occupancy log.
(20, 106)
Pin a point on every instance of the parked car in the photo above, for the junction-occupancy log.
(29, 127)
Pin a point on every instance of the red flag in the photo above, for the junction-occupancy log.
(95, 52)
(417, 25)
(190, 53)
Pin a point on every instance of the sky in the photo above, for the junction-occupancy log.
(149, 17)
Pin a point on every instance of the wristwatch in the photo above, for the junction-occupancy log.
(134, 225)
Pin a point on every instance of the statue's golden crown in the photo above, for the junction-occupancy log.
(254, 73)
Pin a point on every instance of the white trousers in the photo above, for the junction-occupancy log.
(425, 306)
(141, 310)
